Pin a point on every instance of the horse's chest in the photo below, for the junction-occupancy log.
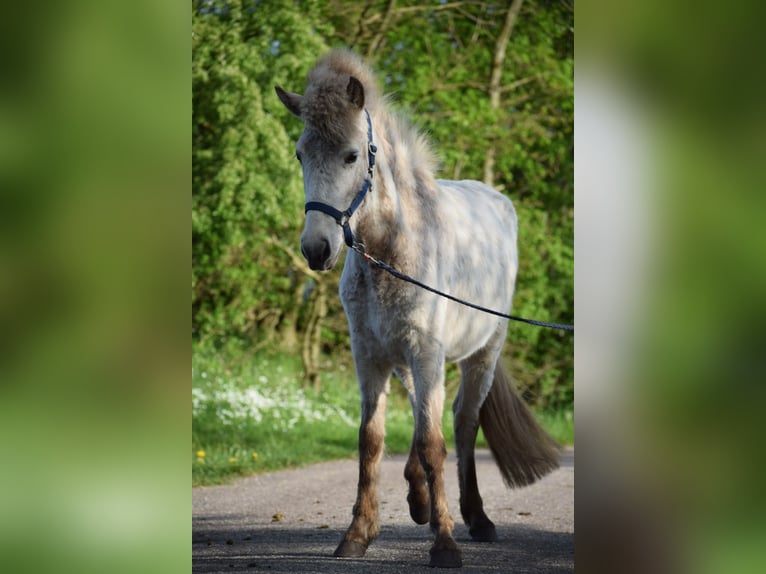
(379, 307)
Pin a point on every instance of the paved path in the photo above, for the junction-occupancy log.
(291, 521)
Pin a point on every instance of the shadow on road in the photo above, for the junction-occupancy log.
(397, 549)
(291, 521)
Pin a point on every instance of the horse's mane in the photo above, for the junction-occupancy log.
(327, 109)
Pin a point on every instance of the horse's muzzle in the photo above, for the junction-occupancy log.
(318, 254)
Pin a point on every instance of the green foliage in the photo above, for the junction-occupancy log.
(251, 414)
(542, 360)
(248, 418)
(436, 60)
(244, 184)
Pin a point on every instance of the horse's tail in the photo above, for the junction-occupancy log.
(523, 451)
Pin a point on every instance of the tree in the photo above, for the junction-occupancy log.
(243, 184)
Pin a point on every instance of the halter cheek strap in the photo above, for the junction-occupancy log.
(342, 217)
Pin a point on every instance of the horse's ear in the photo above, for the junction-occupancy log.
(291, 101)
(355, 92)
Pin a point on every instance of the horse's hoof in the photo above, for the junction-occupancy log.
(446, 558)
(350, 549)
(420, 514)
(419, 511)
(484, 533)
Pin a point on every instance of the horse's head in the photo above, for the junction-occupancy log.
(333, 153)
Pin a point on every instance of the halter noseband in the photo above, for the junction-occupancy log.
(342, 217)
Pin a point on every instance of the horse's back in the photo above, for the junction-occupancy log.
(478, 215)
(482, 202)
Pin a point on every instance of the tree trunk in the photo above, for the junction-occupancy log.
(376, 40)
(494, 88)
(288, 333)
(312, 337)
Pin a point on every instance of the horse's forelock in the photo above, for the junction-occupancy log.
(329, 112)
(326, 106)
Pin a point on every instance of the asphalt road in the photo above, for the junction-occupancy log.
(291, 521)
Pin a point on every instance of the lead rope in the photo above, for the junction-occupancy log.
(359, 248)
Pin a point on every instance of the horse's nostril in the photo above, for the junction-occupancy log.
(326, 251)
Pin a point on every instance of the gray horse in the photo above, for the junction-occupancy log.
(456, 236)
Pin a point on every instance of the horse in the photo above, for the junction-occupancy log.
(457, 236)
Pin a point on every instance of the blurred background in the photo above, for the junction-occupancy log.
(669, 179)
(95, 252)
(94, 261)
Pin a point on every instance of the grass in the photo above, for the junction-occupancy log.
(251, 415)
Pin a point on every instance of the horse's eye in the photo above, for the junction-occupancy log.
(351, 158)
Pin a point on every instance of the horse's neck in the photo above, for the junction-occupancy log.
(390, 213)
(382, 213)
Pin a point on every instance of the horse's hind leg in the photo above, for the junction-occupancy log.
(418, 498)
(477, 377)
(374, 385)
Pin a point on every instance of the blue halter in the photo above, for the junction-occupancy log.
(342, 217)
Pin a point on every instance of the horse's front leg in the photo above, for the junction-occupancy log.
(374, 386)
(432, 452)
